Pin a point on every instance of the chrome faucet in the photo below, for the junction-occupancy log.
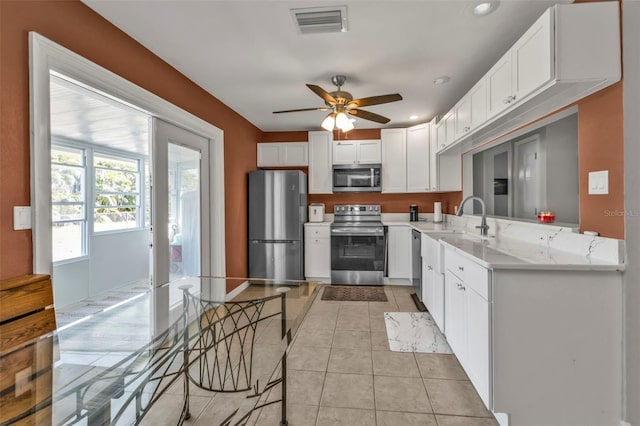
(483, 224)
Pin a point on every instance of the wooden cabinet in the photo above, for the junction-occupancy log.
(320, 162)
(317, 251)
(282, 154)
(399, 243)
(418, 161)
(357, 152)
(394, 160)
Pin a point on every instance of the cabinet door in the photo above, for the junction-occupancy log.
(320, 162)
(269, 155)
(441, 132)
(532, 57)
(477, 357)
(478, 95)
(499, 86)
(418, 158)
(438, 300)
(394, 160)
(294, 154)
(399, 251)
(455, 314)
(433, 158)
(317, 258)
(369, 152)
(427, 284)
(463, 116)
(345, 152)
(450, 123)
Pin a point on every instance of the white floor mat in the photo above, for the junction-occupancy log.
(414, 332)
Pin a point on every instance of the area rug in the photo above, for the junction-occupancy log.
(354, 294)
(414, 332)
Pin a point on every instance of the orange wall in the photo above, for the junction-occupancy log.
(78, 28)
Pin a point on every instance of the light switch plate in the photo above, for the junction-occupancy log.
(21, 217)
(599, 182)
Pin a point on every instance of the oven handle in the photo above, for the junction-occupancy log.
(355, 232)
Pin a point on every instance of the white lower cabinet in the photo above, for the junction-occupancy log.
(528, 335)
(317, 251)
(432, 280)
(399, 250)
(467, 318)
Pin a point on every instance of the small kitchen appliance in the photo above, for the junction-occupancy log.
(316, 212)
(413, 213)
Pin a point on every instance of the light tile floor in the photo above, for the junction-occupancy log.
(341, 372)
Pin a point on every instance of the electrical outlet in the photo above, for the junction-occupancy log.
(23, 381)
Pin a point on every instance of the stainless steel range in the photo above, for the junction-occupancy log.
(358, 245)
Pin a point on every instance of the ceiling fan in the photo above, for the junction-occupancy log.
(341, 103)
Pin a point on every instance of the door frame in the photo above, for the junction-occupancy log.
(45, 56)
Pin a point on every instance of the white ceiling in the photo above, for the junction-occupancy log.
(82, 115)
(249, 54)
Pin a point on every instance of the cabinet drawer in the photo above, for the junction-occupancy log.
(472, 274)
(311, 232)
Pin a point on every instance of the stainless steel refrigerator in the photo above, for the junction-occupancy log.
(277, 213)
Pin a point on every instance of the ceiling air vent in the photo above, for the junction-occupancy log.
(321, 19)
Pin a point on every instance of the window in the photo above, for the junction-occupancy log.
(68, 188)
(117, 193)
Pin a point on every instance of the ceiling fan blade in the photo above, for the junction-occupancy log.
(303, 109)
(368, 116)
(374, 100)
(330, 100)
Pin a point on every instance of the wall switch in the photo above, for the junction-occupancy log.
(599, 182)
(21, 218)
(23, 381)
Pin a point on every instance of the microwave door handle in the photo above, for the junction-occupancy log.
(372, 180)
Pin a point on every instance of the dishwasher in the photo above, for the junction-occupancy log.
(416, 269)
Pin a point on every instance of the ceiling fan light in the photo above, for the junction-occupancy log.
(348, 126)
(342, 121)
(328, 122)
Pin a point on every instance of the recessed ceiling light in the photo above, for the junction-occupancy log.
(485, 8)
(442, 80)
(413, 117)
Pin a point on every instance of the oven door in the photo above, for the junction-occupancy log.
(357, 249)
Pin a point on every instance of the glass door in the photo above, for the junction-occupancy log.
(180, 214)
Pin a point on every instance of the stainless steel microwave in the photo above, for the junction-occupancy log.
(357, 178)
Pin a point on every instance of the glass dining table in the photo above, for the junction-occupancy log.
(198, 346)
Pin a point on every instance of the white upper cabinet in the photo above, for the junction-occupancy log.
(418, 161)
(320, 162)
(450, 124)
(433, 157)
(441, 134)
(394, 160)
(571, 51)
(499, 87)
(532, 57)
(524, 68)
(357, 152)
(282, 154)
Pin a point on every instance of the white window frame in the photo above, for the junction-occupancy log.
(85, 220)
(99, 151)
(46, 56)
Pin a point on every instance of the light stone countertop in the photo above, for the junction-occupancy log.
(505, 253)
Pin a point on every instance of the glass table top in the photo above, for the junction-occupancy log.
(120, 365)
